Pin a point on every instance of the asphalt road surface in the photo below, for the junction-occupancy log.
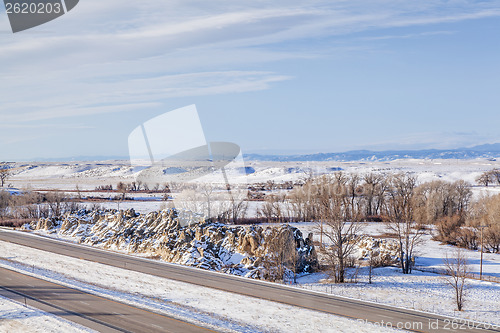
(89, 310)
(378, 314)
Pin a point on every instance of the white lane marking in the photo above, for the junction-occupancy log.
(119, 314)
(385, 316)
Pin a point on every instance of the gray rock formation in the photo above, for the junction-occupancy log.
(253, 251)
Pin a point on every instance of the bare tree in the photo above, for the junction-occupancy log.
(485, 212)
(438, 199)
(207, 191)
(400, 208)
(30, 205)
(4, 173)
(55, 201)
(354, 190)
(78, 192)
(457, 271)
(302, 200)
(4, 202)
(238, 207)
(339, 215)
(495, 174)
(297, 203)
(273, 208)
(122, 188)
(489, 177)
(374, 190)
(191, 200)
(484, 179)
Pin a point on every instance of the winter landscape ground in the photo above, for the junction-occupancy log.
(424, 290)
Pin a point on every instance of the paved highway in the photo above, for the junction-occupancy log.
(370, 312)
(89, 310)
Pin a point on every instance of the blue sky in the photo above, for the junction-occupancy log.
(272, 76)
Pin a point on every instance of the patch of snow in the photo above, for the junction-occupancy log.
(421, 291)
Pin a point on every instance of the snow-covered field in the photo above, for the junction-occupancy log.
(88, 175)
(226, 311)
(423, 290)
(15, 317)
(429, 255)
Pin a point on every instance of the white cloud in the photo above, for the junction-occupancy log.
(43, 126)
(423, 34)
(114, 55)
(120, 94)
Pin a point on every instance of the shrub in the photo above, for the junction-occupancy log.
(448, 229)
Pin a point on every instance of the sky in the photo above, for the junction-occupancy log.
(272, 76)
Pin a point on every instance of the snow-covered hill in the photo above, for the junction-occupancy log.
(88, 175)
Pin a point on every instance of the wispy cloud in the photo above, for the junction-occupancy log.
(408, 36)
(114, 55)
(118, 94)
(16, 125)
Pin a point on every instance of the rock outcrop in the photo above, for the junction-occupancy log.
(383, 251)
(253, 251)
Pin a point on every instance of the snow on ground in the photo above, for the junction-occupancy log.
(421, 291)
(87, 175)
(390, 287)
(429, 255)
(17, 318)
(192, 303)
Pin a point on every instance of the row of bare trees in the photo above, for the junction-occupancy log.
(342, 205)
(485, 214)
(213, 201)
(338, 202)
(138, 186)
(34, 205)
(370, 194)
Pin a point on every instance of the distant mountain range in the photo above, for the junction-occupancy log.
(490, 151)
